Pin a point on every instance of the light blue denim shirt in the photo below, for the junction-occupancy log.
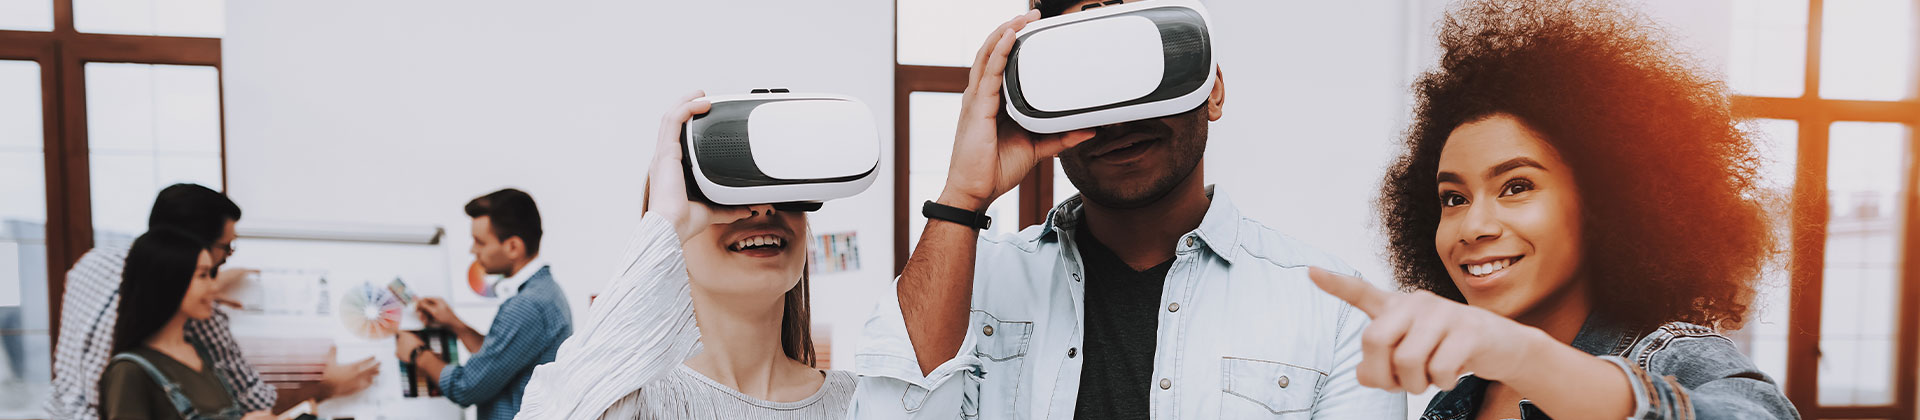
(1243, 333)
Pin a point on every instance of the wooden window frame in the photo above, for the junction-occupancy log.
(63, 54)
(1036, 191)
(1807, 258)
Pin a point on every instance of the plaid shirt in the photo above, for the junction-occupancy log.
(87, 315)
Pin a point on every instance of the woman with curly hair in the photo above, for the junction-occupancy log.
(1576, 212)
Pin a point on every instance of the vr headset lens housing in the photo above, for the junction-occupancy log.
(1110, 65)
(790, 150)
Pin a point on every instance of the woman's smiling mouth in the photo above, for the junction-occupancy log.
(1490, 267)
(762, 245)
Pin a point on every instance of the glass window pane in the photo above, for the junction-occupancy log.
(186, 106)
(1866, 166)
(25, 347)
(1769, 48)
(197, 18)
(148, 126)
(26, 15)
(1779, 144)
(948, 33)
(1764, 338)
(20, 101)
(1866, 49)
(931, 119)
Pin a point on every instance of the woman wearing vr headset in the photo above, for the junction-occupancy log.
(645, 353)
(1577, 211)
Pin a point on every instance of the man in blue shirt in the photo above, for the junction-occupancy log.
(1147, 296)
(527, 331)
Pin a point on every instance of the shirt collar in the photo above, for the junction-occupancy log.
(510, 286)
(1601, 335)
(1218, 232)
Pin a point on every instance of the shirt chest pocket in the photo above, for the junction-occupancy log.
(1001, 347)
(1262, 388)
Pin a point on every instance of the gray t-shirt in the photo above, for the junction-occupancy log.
(686, 394)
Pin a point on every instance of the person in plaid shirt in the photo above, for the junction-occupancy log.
(87, 318)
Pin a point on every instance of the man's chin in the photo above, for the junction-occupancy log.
(1123, 199)
(1132, 193)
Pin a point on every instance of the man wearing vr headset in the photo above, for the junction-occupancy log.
(1147, 296)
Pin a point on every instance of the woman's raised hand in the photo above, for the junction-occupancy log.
(1419, 339)
(667, 187)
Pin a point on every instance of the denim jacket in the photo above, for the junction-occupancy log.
(1679, 371)
(1242, 333)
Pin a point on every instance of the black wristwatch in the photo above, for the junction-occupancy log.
(968, 218)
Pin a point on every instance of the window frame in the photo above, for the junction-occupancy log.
(1036, 190)
(63, 54)
(1807, 258)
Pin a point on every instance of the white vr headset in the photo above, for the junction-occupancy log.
(774, 147)
(1110, 64)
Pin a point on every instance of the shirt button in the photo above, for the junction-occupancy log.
(1076, 276)
(1166, 383)
(1284, 381)
(1189, 241)
(1173, 307)
(988, 330)
(1072, 351)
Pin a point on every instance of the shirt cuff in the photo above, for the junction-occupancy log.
(1646, 400)
(889, 353)
(447, 380)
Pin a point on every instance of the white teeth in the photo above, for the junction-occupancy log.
(1488, 268)
(759, 240)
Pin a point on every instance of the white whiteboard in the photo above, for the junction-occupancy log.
(344, 265)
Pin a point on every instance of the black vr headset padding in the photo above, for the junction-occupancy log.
(693, 187)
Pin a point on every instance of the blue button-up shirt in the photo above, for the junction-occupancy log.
(1250, 337)
(526, 332)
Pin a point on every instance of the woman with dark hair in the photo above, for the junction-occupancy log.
(1576, 209)
(156, 373)
(707, 318)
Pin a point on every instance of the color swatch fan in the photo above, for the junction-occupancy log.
(371, 312)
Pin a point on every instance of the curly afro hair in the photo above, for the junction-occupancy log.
(1672, 224)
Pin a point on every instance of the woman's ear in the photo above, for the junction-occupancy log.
(1218, 99)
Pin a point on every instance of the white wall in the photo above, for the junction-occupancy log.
(1314, 100)
(399, 112)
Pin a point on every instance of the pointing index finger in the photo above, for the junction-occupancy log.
(1351, 289)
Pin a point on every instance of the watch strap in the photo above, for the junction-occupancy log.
(968, 218)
